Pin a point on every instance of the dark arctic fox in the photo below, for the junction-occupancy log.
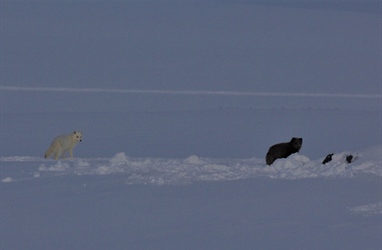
(283, 150)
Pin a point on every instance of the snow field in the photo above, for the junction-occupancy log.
(92, 204)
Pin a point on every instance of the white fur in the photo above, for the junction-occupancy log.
(62, 144)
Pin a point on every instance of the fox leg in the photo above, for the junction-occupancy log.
(63, 155)
(71, 152)
(56, 155)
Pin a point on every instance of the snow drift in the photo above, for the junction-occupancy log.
(160, 171)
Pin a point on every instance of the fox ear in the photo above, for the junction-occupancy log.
(74, 132)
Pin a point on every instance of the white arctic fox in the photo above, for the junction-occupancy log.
(62, 144)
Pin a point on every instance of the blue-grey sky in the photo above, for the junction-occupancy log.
(282, 46)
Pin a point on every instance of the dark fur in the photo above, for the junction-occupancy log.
(327, 159)
(349, 158)
(283, 150)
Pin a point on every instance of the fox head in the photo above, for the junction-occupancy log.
(296, 143)
(77, 135)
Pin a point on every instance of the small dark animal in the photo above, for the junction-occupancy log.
(327, 159)
(349, 158)
(283, 150)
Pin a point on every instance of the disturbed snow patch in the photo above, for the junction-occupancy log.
(368, 210)
(7, 179)
(160, 171)
(59, 166)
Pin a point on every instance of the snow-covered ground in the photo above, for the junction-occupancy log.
(193, 169)
(193, 202)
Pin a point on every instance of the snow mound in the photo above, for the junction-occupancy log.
(368, 210)
(7, 179)
(159, 171)
(59, 166)
(118, 159)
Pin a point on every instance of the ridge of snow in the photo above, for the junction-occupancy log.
(159, 171)
(368, 210)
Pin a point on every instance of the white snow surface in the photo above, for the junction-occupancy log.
(158, 171)
(148, 195)
(369, 209)
(192, 203)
